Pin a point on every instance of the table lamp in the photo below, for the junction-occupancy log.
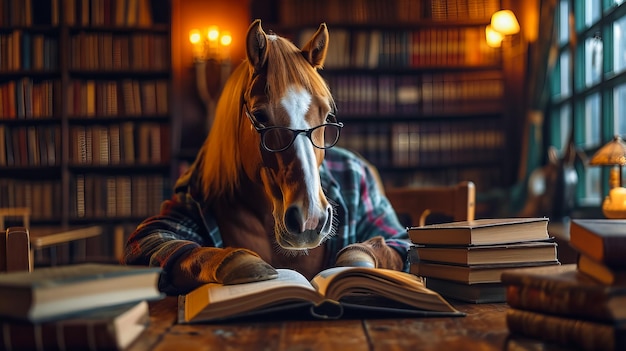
(613, 154)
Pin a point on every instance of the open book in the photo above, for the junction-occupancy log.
(327, 296)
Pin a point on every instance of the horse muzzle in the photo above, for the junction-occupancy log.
(305, 232)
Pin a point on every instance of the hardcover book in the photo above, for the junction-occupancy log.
(469, 274)
(604, 240)
(569, 332)
(601, 272)
(563, 290)
(489, 254)
(326, 296)
(474, 293)
(63, 291)
(487, 231)
(111, 328)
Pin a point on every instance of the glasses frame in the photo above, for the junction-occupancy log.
(262, 130)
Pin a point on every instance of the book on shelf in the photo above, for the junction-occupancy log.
(535, 251)
(601, 272)
(601, 239)
(481, 231)
(469, 274)
(63, 291)
(110, 328)
(563, 290)
(474, 293)
(569, 332)
(328, 295)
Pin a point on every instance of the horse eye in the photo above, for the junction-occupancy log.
(260, 116)
(331, 118)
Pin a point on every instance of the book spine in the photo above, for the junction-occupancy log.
(56, 336)
(614, 249)
(563, 302)
(583, 335)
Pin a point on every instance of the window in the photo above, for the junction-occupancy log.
(588, 86)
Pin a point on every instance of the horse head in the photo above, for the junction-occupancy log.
(279, 112)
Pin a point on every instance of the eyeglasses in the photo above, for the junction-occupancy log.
(277, 139)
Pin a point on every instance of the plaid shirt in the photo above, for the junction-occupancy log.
(361, 211)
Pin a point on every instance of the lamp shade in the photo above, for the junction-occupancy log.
(505, 22)
(613, 153)
(494, 39)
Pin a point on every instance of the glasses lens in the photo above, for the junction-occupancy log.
(277, 139)
(330, 137)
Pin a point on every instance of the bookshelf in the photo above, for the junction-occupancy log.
(420, 92)
(85, 118)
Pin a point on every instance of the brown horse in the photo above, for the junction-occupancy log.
(260, 175)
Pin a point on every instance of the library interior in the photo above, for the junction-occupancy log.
(498, 121)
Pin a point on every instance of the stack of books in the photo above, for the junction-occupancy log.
(76, 307)
(580, 305)
(561, 305)
(601, 246)
(464, 260)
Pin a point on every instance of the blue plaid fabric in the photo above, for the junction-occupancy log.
(361, 211)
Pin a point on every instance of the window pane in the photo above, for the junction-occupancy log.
(565, 74)
(592, 12)
(619, 45)
(563, 21)
(593, 60)
(593, 186)
(619, 109)
(565, 123)
(592, 120)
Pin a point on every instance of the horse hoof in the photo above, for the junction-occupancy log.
(245, 268)
(355, 258)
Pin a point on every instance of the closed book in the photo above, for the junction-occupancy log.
(469, 274)
(601, 272)
(474, 293)
(489, 254)
(63, 291)
(481, 231)
(113, 328)
(601, 239)
(563, 290)
(569, 332)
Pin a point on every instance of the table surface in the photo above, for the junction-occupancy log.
(41, 237)
(483, 328)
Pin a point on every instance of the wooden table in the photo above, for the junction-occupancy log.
(483, 328)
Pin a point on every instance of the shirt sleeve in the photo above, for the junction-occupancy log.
(378, 218)
(162, 239)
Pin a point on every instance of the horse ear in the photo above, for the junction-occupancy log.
(256, 45)
(315, 50)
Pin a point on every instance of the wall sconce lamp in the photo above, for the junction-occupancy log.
(215, 45)
(503, 23)
(613, 154)
(212, 48)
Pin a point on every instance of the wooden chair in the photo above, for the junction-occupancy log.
(14, 212)
(455, 202)
(15, 250)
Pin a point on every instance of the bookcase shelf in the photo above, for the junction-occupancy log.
(85, 118)
(420, 92)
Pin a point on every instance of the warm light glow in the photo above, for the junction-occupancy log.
(226, 39)
(505, 22)
(494, 39)
(194, 36)
(213, 33)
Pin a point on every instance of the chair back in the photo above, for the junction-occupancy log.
(14, 212)
(455, 202)
(15, 250)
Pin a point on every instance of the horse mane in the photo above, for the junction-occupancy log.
(220, 156)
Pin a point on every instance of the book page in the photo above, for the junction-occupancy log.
(286, 277)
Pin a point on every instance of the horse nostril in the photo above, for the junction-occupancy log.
(293, 220)
(328, 220)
